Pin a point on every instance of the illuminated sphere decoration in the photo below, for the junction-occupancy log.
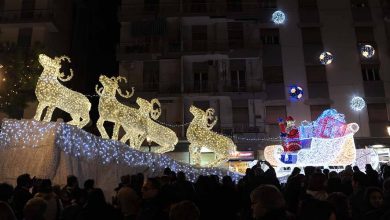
(357, 103)
(326, 58)
(367, 51)
(278, 17)
(295, 92)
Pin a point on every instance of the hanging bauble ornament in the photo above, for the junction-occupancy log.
(367, 51)
(278, 17)
(357, 103)
(295, 92)
(326, 58)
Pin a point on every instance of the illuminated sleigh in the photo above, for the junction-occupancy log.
(317, 150)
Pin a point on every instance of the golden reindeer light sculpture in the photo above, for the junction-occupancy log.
(110, 109)
(52, 94)
(161, 135)
(199, 135)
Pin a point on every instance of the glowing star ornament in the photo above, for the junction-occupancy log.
(52, 94)
(295, 92)
(278, 17)
(326, 58)
(199, 135)
(357, 103)
(367, 51)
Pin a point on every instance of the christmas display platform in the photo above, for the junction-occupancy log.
(55, 150)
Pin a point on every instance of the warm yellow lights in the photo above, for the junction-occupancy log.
(52, 94)
(137, 123)
(199, 135)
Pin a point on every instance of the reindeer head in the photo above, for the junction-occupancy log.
(53, 66)
(111, 86)
(206, 118)
(152, 108)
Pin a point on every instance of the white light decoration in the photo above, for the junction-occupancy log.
(367, 51)
(17, 135)
(326, 58)
(357, 103)
(328, 141)
(388, 130)
(278, 17)
(199, 135)
(52, 94)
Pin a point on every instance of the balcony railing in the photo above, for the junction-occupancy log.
(23, 16)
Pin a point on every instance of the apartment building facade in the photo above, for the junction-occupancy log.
(229, 55)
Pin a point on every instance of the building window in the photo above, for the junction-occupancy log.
(235, 35)
(234, 5)
(308, 4)
(198, 6)
(273, 74)
(359, 3)
(27, 9)
(199, 38)
(316, 110)
(267, 3)
(200, 81)
(24, 37)
(370, 72)
(151, 75)
(151, 5)
(377, 112)
(317, 82)
(240, 119)
(269, 35)
(364, 34)
(273, 113)
(311, 36)
(238, 80)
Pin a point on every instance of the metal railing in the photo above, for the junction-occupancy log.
(20, 16)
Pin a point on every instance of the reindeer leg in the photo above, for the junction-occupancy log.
(99, 125)
(195, 154)
(38, 113)
(115, 131)
(219, 158)
(84, 120)
(49, 113)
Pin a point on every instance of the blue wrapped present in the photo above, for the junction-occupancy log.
(290, 158)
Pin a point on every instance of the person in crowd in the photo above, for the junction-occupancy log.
(72, 211)
(268, 203)
(184, 210)
(21, 194)
(184, 189)
(6, 191)
(89, 185)
(151, 204)
(316, 209)
(54, 205)
(373, 200)
(294, 173)
(340, 205)
(372, 176)
(35, 209)
(334, 183)
(97, 208)
(72, 184)
(359, 183)
(326, 172)
(127, 199)
(316, 186)
(6, 212)
(386, 193)
(293, 191)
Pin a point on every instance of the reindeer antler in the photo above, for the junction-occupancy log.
(128, 94)
(99, 90)
(155, 112)
(61, 75)
(210, 116)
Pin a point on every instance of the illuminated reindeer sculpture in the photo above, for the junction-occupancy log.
(110, 109)
(52, 94)
(199, 135)
(161, 135)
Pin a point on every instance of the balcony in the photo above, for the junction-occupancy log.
(361, 14)
(34, 17)
(275, 91)
(309, 16)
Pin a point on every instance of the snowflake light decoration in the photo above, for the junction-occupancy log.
(357, 103)
(278, 17)
(295, 92)
(326, 58)
(367, 51)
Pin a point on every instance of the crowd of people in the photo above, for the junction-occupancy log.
(310, 194)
